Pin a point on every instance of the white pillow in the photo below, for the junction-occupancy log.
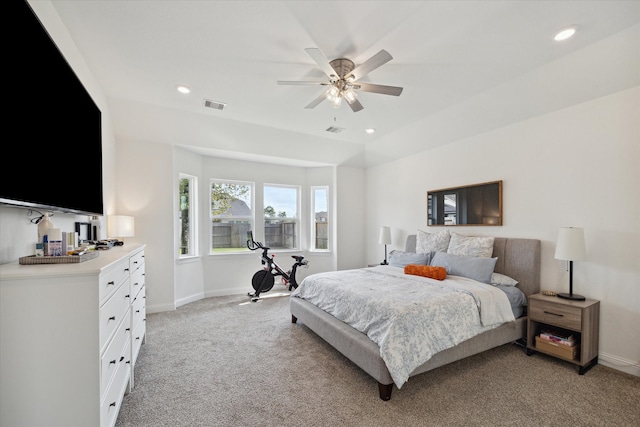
(501, 279)
(432, 242)
(480, 247)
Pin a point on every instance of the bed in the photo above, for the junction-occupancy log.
(515, 257)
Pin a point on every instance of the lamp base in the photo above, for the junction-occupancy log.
(574, 297)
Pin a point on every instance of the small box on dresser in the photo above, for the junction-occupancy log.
(580, 318)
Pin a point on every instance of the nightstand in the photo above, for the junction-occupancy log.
(579, 318)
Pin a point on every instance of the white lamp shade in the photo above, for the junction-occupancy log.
(570, 245)
(385, 236)
(120, 226)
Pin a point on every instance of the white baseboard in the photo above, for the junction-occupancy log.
(619, 364)
(160, 308)
(190, 298)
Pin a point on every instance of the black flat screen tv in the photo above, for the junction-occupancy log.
(53, 160)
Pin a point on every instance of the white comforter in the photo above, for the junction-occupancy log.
(411, 318)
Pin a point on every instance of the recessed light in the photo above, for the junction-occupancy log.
(183, 89)
(565, 34)
(370, 130)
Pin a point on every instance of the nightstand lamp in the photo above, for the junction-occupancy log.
(385, 239)
(570, 247)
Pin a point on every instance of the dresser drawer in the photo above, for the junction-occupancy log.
(560, 315)
(113, 355)
(136, 260)
(138, 307)
(137, 281)
(113, 312)
(112, 278)
(137, 339)
(110, 404)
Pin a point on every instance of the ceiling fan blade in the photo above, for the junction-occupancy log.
(301, 82)
(374, 88)
(322, 61)
(356, 106)
(317, 101)
(371, 64)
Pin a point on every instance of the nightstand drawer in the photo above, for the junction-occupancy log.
(555, 314)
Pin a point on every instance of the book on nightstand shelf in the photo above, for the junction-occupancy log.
(558, 337)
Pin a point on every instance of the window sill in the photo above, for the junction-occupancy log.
(188, 259)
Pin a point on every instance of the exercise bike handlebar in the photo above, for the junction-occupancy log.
(252, 244)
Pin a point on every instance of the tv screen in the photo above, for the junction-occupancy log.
(54, 159)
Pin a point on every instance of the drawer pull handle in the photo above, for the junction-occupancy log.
(137, 338)
(126, 269)
(554, 314)
(113, 404)
(112, 362)
(127, 296)
(111, 283)
(128, 329)
(135, 262)
(137, 311)
(112, 318)
(128, 361)
(121, 358)
(135, 284)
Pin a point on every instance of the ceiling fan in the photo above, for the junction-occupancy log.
(343, 79)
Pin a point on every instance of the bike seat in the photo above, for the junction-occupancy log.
(297, 257)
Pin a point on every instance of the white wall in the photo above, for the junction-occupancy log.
(145, 191)
(351, 217)
(574, 167)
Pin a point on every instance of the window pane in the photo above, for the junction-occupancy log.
(320, 227)
(186, 215)
(231, 215)
(281, 216)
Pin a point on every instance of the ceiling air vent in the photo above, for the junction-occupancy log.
(215, 105)
(334, 129)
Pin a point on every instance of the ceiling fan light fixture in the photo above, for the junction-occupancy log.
(350, 95)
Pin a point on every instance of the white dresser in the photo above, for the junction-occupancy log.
(69, 338)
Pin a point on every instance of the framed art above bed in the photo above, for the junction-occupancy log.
(477, 204)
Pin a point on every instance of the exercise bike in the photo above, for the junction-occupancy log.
(263, 280)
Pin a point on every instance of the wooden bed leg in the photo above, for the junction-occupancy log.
(294, 319)
(385, 391)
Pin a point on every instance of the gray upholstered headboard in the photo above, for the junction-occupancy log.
(517, 258)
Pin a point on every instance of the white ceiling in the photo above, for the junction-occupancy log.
(466, 67)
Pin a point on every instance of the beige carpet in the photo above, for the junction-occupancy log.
(219, 362)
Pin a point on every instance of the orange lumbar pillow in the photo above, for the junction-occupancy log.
(438, 273)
